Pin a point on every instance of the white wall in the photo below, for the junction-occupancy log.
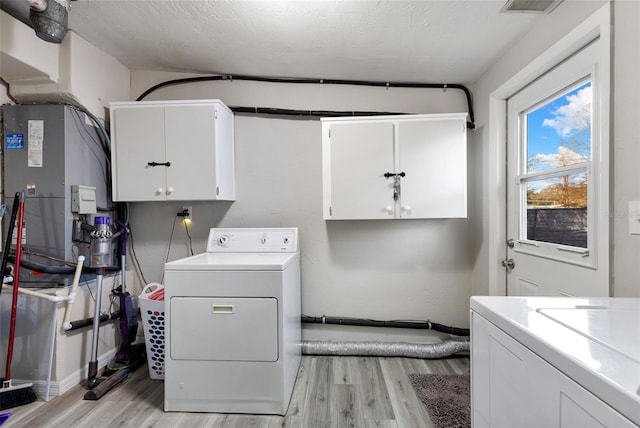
(393, 269)
(74, 71)
(24, 58)
(4, 98)
(625, 153)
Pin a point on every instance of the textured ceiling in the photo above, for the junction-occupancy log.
(452, 41)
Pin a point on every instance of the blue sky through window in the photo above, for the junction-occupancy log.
(559, 132)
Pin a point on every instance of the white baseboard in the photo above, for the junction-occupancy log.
(57, 388)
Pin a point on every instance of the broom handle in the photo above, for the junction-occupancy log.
(7, 244)
(16, 280)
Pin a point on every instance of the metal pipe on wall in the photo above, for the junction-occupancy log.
(49, 19)
(38, 5)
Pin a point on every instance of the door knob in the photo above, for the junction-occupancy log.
(510, 264)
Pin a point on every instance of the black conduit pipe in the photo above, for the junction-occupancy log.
(12, 222)
(451, 330)
(58, 270)
(266, 110)
(427, 325)
(308, 113)
(78, 324)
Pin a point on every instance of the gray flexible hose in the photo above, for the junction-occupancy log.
(386, 349)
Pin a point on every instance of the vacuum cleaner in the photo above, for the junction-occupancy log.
(127, 359)
(130, 356)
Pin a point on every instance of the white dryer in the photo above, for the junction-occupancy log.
(232, 335)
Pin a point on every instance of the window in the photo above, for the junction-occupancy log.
(555, 182)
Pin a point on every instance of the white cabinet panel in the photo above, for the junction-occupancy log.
(188, 131)
(433, 154)
(360, 156)
(514, 387)
(130, 161)
(172, 150)
(424, 157)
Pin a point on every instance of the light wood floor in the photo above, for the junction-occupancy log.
(329, 392)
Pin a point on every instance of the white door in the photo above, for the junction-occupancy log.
(557, 181)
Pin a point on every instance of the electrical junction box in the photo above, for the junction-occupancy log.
(83, 199)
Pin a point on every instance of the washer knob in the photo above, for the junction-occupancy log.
(223, 240)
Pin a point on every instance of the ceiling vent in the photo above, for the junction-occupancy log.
(530, 6)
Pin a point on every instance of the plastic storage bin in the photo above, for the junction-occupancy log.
(151, 302)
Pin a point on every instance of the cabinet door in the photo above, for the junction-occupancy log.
(359, 154)
(433, 155)
(191, 149)
(138, 138)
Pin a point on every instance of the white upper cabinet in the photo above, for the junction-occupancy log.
(386, 167)
(172, 150)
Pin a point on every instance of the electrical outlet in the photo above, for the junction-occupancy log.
(189, 212)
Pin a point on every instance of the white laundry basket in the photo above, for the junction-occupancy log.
(151, 302)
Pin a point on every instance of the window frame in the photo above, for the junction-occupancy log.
(585, 257)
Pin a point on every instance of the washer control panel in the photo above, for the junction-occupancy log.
(253, 240)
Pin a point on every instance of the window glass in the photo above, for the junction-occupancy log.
(557, 210)
(559, 132)
(557, 144)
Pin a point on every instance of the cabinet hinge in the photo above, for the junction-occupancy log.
(217, 191)
(330, 213)
(215, 113)
(329, 132)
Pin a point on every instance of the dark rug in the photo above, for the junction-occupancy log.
(447, 397)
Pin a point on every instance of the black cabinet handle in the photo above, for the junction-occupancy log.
(391, 174)
(159, 163)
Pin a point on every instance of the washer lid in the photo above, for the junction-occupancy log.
(234, 261)
(616, 329)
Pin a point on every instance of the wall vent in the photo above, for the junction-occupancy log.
(530, 6)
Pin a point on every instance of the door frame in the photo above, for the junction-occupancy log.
(597, 25)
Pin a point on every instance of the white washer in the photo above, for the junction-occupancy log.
(232, 339)
(555, 361)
